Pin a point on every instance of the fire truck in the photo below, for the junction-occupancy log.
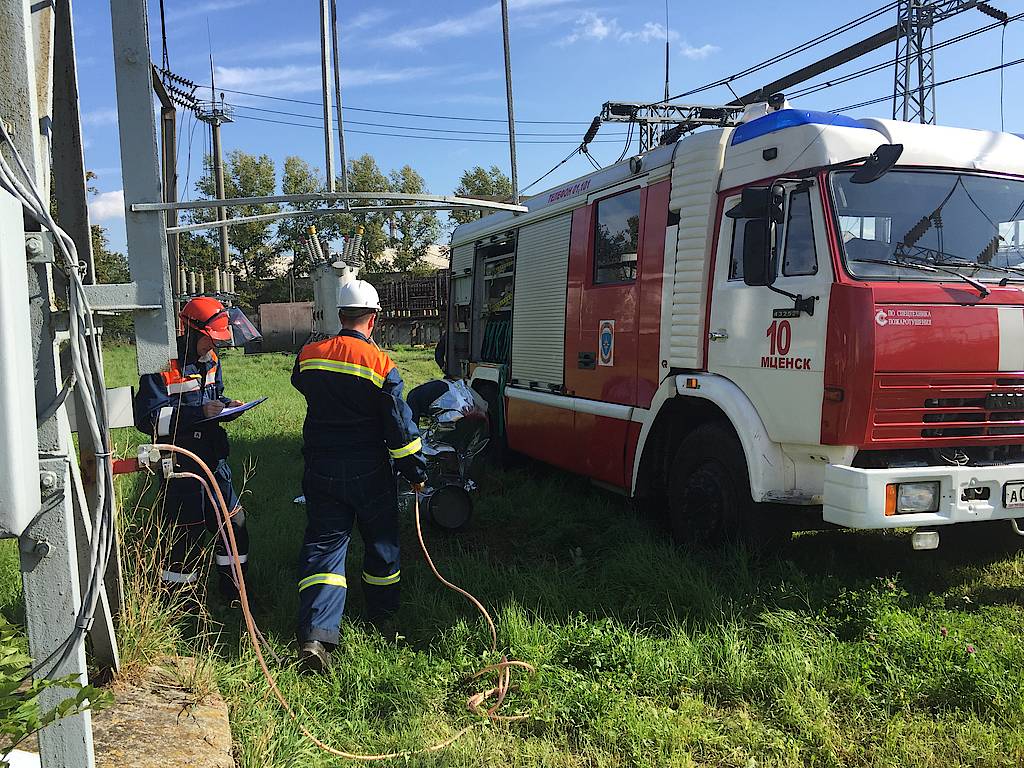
(803, 310)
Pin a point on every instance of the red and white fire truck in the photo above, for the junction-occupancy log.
(789, 312)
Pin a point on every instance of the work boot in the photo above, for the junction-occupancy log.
(314, 657)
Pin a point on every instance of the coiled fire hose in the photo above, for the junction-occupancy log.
(502, 669)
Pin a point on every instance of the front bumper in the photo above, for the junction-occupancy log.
(855, 498)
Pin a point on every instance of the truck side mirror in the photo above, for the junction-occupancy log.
(757, 252)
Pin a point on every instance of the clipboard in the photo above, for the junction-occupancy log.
(227, 413)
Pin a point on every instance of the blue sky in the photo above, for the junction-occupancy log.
(445, 58)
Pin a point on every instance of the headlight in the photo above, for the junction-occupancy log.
(908, 498)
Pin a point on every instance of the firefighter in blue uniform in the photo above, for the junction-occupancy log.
(358, 431)
(174, 406)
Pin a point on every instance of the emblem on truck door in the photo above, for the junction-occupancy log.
(606, 342)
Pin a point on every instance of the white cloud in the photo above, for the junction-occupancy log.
(591, 26)
(366, 19)
(190, 10)
(464, 26)
(698, 53)
(650, 32)
(294, 79)
(100, 117)
(107, 205)
(485, 76)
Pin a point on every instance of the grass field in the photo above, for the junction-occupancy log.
(844, 649)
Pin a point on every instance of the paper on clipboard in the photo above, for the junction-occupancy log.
(227, 413)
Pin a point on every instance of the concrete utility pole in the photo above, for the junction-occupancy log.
(47, 547)
(215, 112)
(169, 162)
(508, 97)
(325, 79)
(337, 97)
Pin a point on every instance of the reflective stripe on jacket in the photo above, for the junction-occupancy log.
(354, 402)
(169, 406)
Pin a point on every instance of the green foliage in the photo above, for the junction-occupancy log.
(364, 175)
(254, 256)
(300, 178)
(20, 712)
(111, 267)
(481, 182)
(410, 234)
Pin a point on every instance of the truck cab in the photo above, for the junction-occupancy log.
(750, 318)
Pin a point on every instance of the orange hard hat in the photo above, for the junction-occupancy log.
(208, 316)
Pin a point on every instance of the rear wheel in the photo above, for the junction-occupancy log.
(709, 493)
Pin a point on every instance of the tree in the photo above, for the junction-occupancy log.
(254, 256)
(364, 175)
(410, 234)
(300, 178)
(480, 182)
(111, 267)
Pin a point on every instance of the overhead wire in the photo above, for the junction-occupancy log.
(425, 116)
(843, 28)
(825, 85)
(554, 168)
(408, 136)
(888, 97)
(1002, 71)
(319, 118)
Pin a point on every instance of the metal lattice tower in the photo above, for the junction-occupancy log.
(914, 86)
(913, 97)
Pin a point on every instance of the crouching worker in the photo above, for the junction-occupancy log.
(358, 431)
(176, 406)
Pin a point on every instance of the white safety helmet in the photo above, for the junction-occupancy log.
(358, 294)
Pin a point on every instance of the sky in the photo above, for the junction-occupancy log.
(446, 59)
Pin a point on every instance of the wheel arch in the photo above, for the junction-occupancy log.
(685, 402)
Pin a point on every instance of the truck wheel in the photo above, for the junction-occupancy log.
(709, 490)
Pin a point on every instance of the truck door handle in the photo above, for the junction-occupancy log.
(587, 361)
(720, 335)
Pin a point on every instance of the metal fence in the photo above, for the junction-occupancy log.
(414, 296)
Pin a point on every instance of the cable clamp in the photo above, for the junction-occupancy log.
(85, 624)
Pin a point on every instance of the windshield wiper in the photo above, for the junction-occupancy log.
(928, 267)
(956, 261)
(937, 266)
(991, 267)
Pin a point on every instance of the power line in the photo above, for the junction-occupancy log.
(870, 16)
(997, 68)
(818, 87)
(413, 136)
(402, 114)
(401, 127)
(557, 165)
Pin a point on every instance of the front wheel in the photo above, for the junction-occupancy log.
(709, 492)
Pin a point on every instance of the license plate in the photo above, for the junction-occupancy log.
(1013, 495)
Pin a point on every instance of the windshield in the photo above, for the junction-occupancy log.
(961, 222)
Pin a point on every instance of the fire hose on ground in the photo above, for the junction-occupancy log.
(502, 669)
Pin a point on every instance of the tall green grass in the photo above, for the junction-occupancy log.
(843, 649)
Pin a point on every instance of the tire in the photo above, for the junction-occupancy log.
(709, 502)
